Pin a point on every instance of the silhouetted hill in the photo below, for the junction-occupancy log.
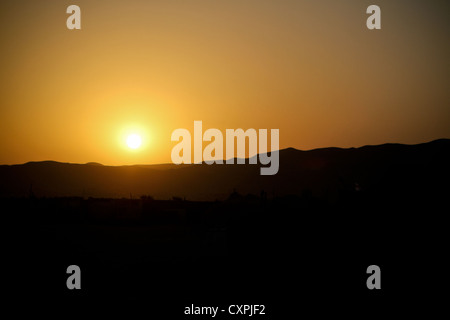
(325, 173)
(94, 164)
(328, 214)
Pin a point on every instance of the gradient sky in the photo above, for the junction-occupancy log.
(309, 68)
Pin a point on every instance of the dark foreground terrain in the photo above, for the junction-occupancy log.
(293, 253)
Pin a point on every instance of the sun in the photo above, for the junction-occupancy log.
(134, 141)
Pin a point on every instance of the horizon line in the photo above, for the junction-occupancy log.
(95, 163)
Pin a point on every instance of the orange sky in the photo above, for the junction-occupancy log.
(309, 68)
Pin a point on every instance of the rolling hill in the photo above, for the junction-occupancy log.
(393, 168)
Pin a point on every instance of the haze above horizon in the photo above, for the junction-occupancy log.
(308, 68)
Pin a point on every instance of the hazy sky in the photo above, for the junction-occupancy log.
(310, 68)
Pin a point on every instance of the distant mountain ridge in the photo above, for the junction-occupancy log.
(322, 172)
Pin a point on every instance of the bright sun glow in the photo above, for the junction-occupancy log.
(134, 141)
